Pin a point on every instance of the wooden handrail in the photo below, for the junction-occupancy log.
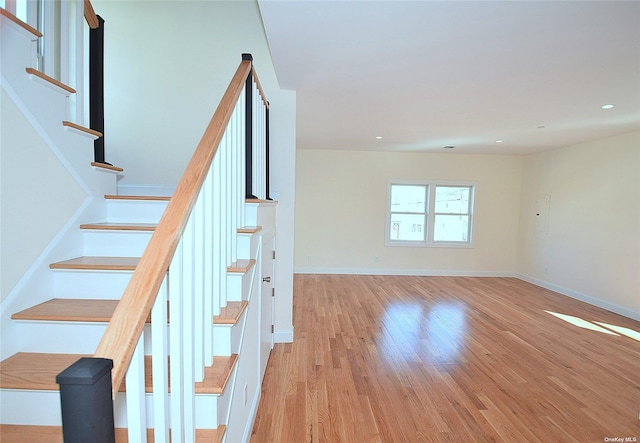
(263, 96)
(90, 15)
(123, 331)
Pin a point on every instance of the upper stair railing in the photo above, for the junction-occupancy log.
(184, 264)
(61, 54)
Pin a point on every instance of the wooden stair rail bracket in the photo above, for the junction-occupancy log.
(124, 330)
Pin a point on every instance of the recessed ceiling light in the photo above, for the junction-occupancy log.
(499, 141)
(448, 147)
(607, 106)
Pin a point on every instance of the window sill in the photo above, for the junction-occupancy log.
(445, 245)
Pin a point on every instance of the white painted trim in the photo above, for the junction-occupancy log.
(43, 133)
(107, 170)
(44, 256)
(253, 412)
(581, 297)
(283, 336)
(151, 190)
(391, 271)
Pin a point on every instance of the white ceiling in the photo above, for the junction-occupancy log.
(426, 74)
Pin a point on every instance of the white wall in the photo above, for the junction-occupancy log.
(340, 218)
(591, 249)
(38, 195)
(167, 64)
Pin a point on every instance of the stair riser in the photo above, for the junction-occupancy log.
(43, 408)
(30, 407)
(115, 243)
(111, 284)
(238, 285)
(251, 214)
(135, 211)
(262, 217)
(206, 411)
(90, 284)
(244, 246)
(63, 337)
(226, 339)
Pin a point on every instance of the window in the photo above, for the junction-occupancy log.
(428, 213)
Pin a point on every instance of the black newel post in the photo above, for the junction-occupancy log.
(249, 132)
(96, 87)
(87, 406)
(267, 155)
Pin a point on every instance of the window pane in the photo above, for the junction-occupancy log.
(408, 198)
(407, 227)
(452, 200)
(453, 228)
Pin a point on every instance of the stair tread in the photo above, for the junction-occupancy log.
(51, 80)
(16, 20)
(81, 128)
(113, 226)
(53, 434)
(34, 371)
(38, 371)
(230, 314)
(137, 197)
(241, 266)
(98, 263)
(63, 309)
(249, 229)
(107, 166)
(90, 310)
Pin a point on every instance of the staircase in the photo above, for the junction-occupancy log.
(70, 324)
(212, 308)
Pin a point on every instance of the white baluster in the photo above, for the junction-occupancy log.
(188, 277)
(233, 169)
(176, 345)
(136, 411)
(243, 155)
(224, 196)
(159, 354)
(198, 287)
(217, 237)
(208, 291)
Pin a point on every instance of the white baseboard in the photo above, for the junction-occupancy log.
(635, 315)
(283, 336)
(582, 297)
(395, 271)
(253, 412)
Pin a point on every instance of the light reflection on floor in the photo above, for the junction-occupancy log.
(433, 333)
(605, 328)
(577, 321)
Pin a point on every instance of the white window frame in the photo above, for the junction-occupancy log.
(430, 214)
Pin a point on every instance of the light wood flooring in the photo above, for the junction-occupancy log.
(448, 359)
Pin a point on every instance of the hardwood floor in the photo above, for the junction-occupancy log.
(440, 359)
